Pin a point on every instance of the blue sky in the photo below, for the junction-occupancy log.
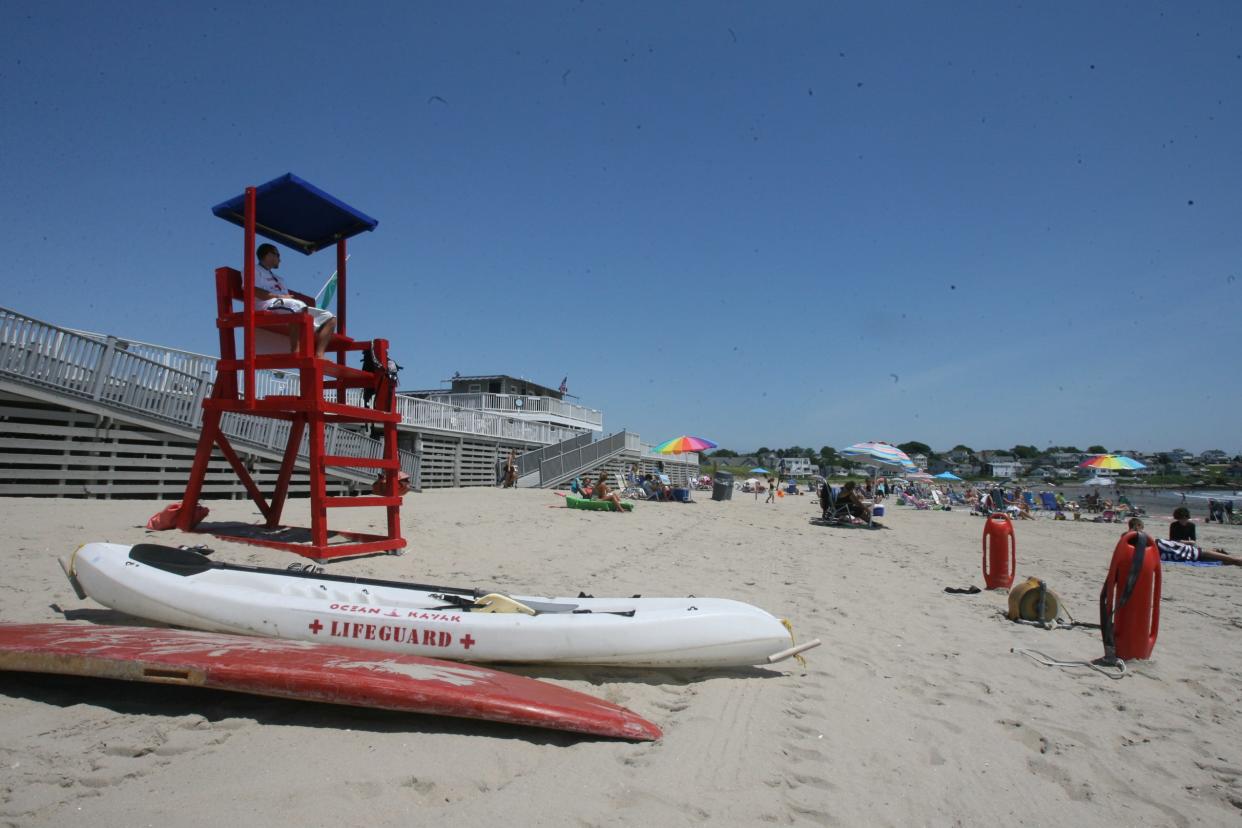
(814, 224)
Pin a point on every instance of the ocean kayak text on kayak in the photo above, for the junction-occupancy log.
(392, 613)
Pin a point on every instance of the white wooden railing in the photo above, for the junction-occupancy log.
(109, 372)
(520, 404)
(169, 385)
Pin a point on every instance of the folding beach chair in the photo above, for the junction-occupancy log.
(1000, 503)
(832, 511)
(1049, 501)
(629, 491)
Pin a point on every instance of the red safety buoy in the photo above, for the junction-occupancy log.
(1000, 551)
(1130, 600)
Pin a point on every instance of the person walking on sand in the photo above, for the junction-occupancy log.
(771, 491)
(511, 470)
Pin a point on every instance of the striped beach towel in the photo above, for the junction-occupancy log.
(1176, 551)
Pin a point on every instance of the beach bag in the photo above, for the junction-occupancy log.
(167, 519)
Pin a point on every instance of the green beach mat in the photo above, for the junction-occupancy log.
(595, 505)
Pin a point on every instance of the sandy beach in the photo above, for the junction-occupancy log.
(915, 711)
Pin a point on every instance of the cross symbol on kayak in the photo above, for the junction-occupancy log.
(467, 641)
(316, 627)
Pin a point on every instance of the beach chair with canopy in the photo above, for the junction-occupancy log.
(294, 213)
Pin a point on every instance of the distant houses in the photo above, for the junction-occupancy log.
(796, 466)
(1003, 468)
(1002, 464)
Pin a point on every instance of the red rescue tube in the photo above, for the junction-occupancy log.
(1130, 600)
(1000, 551)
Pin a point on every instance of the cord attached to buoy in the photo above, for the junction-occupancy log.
(1098, 665)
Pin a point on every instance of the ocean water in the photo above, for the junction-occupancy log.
(1161, 501)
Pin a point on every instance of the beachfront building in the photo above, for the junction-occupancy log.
(796, 466)
(574, 444)
(1002, 468)
(1065, 459)
(514, 397)
(98, 415)
(963, 468)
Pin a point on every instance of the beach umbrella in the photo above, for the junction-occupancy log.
(1111, 461)
(879, 455)
(947, 475)
(684, 443)
(759, 470)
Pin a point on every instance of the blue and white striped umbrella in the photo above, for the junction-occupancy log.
(881, 455)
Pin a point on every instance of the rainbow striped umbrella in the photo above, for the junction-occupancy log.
(684, 443)
(1111, 461)
(875, 453)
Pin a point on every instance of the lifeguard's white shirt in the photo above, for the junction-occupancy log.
(265, 279)
(268, 280)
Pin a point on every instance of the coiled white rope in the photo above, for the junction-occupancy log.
(1049, 661)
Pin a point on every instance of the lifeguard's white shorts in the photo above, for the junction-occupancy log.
(295, 306)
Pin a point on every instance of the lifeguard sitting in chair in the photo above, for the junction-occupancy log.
(271, 294)
(304, 218)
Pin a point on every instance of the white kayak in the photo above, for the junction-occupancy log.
(184, 588)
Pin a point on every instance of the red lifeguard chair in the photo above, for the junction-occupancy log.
(298, 215)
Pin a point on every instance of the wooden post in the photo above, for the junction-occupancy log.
(101, 370)
(248, 299)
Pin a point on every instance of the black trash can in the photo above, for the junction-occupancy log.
(722, 486)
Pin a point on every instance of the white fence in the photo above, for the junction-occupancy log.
(137, 381)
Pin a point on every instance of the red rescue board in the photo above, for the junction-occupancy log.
(312, 672)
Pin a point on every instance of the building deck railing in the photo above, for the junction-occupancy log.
(169, 384)
(109, 373)
(519, 404)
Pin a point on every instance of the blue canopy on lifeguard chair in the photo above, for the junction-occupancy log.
(297, 214)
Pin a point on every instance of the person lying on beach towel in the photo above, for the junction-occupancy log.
(1178, 551)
